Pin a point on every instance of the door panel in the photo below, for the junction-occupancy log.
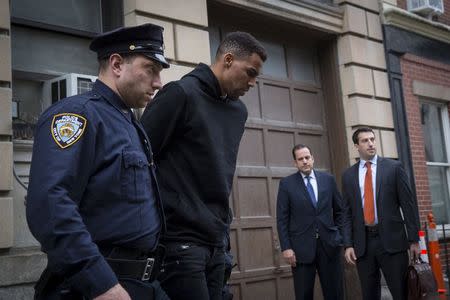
(275, 103)
(278, 143)
(255, 193)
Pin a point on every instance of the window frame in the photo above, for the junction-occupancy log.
(111, 16)
(444, 115)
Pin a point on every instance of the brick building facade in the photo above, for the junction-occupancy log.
(420, 84)
(444, 18)
(436, 76)
(416, 69)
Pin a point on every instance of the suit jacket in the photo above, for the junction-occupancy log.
(298, 221)
(392, 193)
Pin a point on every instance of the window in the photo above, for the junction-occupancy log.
(80, 17)
(83, 15)
(436, 132)
(59, 33)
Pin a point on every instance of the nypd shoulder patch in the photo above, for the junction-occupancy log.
(67, 129)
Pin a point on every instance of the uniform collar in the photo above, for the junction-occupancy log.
(111, 96)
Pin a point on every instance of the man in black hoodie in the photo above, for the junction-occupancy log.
(195, 126)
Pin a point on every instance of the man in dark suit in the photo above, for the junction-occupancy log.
(374, 191)
(309, 219)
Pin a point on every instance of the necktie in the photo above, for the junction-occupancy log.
(310, 190)
(369, 209)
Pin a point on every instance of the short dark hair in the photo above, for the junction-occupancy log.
(298, 147)
(358, 131)
(241, 44)
(127, 57)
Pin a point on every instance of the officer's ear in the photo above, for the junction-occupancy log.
(116, 63)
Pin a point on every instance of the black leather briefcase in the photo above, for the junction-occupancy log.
(421, 281)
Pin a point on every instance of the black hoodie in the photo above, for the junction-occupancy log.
(195, 136)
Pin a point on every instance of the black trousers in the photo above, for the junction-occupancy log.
(330, 276)
(393, 266)
(193, 271)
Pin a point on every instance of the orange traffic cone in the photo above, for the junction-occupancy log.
(423, 247)
(433, 254)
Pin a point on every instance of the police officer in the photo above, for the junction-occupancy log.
(93, 202)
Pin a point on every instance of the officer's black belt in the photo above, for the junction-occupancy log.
(133, 263)
(143, 269)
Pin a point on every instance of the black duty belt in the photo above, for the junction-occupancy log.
(143, 269)
(134, 263)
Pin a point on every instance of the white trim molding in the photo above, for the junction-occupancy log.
(314, 15)
(429, 90)
(411, 22)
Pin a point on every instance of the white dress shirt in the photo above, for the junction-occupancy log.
(362, 176)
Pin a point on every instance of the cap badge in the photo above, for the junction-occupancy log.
(132, 47)
(67, 129)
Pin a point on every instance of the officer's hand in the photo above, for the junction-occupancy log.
(289, 256)
(350, 256)
(414, 251)
(117, 292)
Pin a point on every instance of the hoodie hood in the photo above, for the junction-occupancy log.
(209, 81)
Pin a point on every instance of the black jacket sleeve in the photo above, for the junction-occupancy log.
(337, 206)
(283, 217)
(408, 204)
(347, 230)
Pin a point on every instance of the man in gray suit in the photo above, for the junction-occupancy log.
(375, 189)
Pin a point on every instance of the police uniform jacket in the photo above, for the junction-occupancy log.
(91, 183)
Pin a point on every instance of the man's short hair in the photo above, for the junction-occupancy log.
(241, 44)
(298, 147)
(104, 62)
(358, 131)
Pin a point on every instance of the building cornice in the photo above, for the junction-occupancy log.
(413, 23)
(316, 15)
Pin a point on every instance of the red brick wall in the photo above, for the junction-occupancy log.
(416, 68)
(444, 18)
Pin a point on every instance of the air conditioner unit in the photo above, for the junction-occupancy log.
(426, 8)
(66, 85)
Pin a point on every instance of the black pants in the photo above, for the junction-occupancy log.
(393, 266)
(330, 275)
(193, 271)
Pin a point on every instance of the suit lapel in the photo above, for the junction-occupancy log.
(378, 182)
(320, 188)
(356, 188)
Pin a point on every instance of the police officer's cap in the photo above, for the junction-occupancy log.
(145, 39)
